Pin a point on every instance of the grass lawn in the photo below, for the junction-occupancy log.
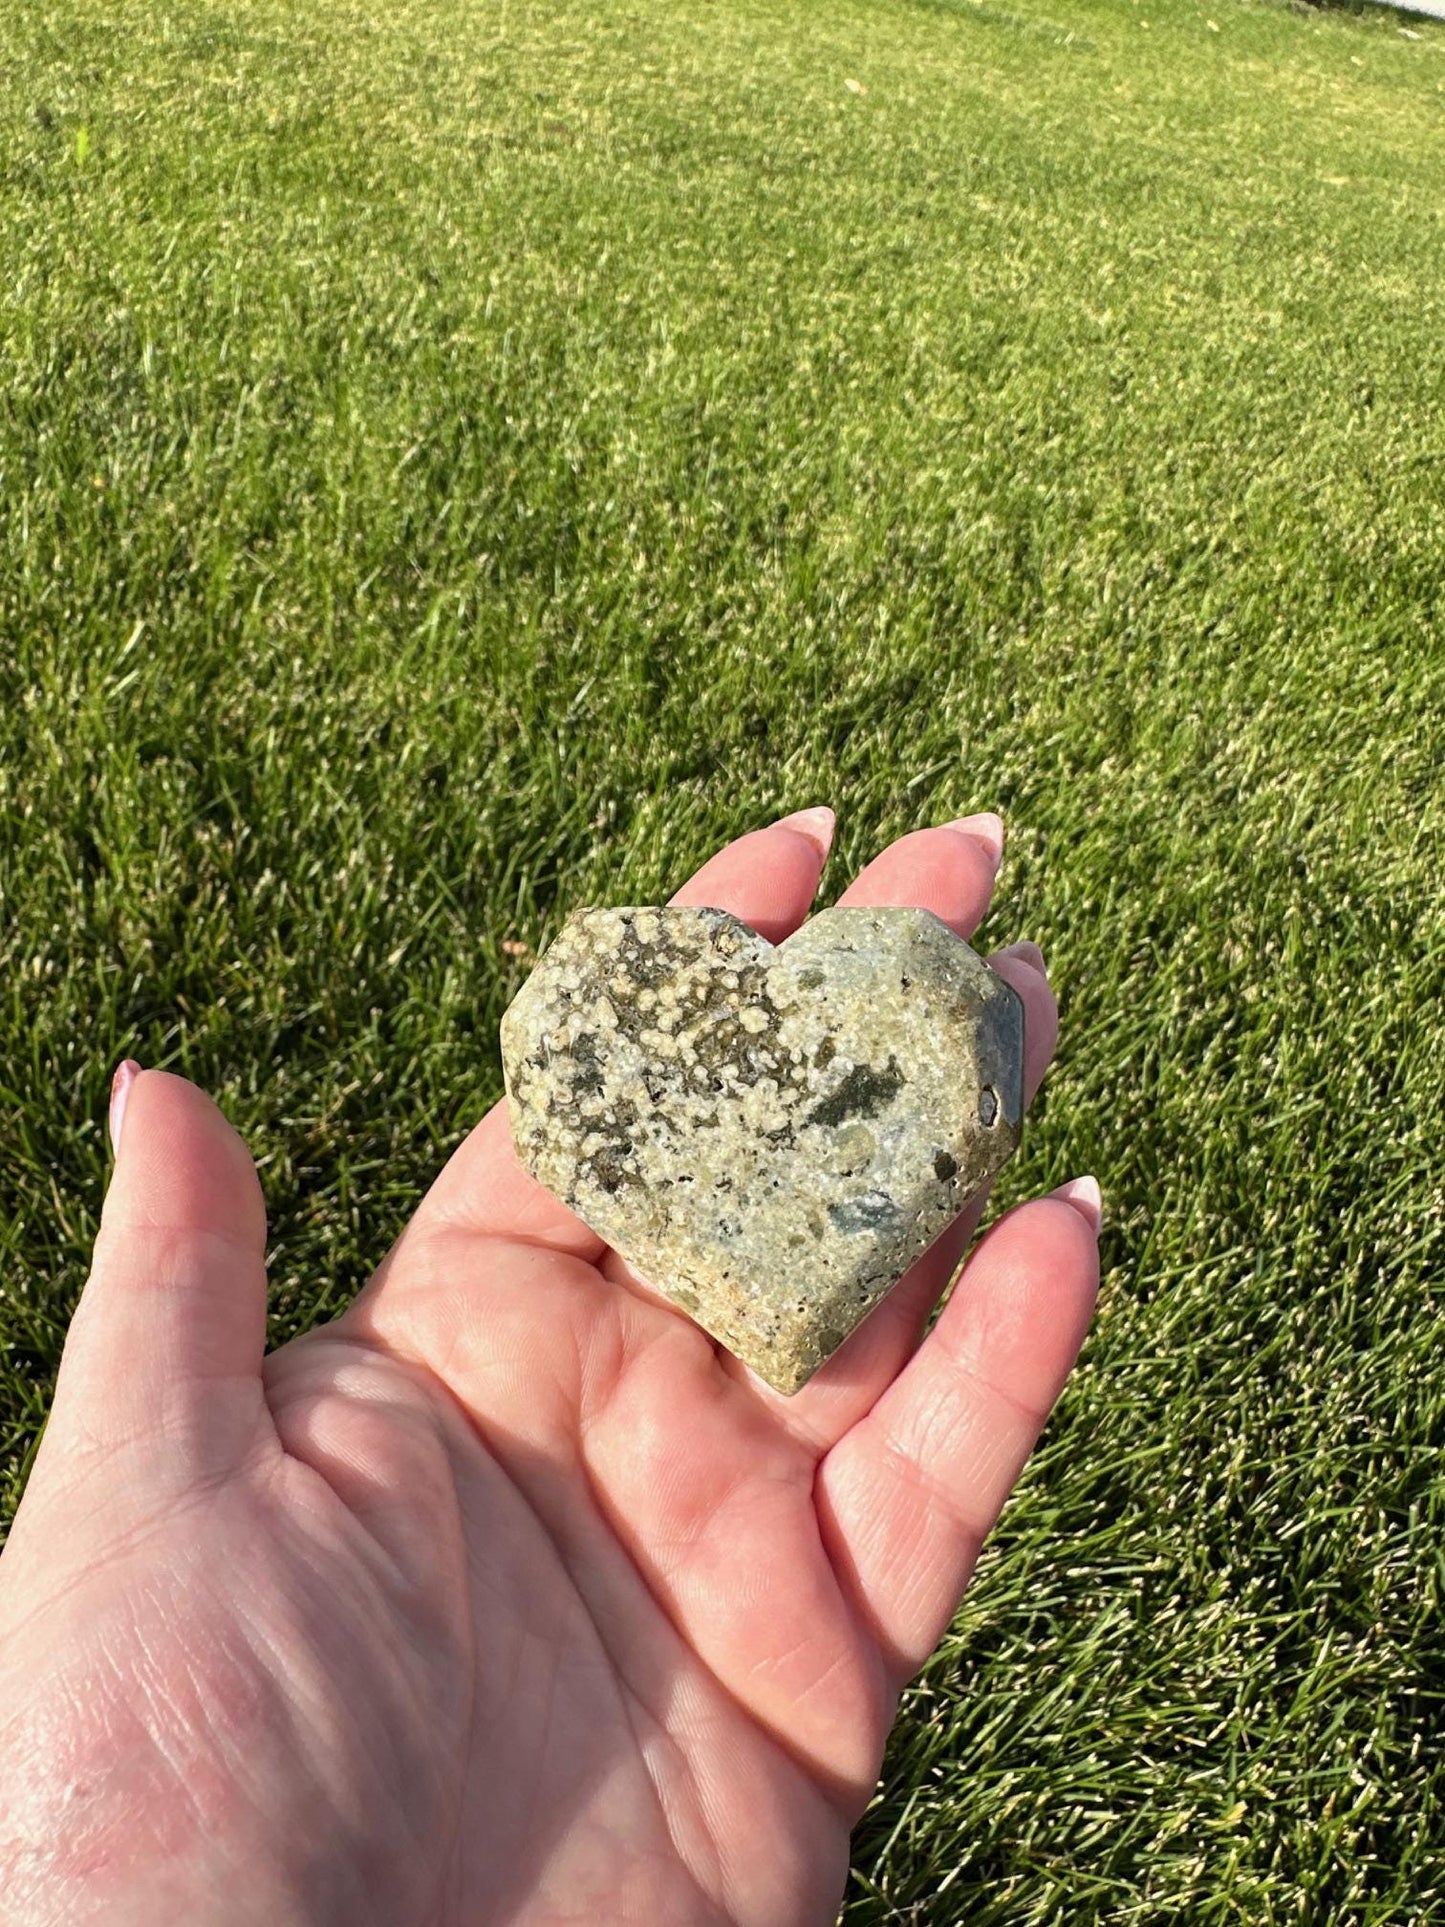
(462, 460)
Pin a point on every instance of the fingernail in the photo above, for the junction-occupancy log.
(816, 824)
(1028, 953)
(985, 828)
(126, 1074)
(1086, 1198)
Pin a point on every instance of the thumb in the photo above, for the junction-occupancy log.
(167, 1341)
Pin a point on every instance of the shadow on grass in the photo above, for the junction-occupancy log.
(1399, 9)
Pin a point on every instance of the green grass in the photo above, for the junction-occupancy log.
(460, 461)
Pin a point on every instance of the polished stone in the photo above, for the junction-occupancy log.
(769, 1135)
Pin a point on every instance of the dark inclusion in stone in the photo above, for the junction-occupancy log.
(873, 1212)
(862, 1093)
(848, 1091)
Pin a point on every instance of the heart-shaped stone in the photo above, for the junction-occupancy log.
(769, 1135)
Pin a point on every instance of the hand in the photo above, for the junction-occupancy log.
(507, 1597)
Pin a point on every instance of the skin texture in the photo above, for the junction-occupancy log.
(507, 1597)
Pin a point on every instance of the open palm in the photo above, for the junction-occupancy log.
(508, 1596)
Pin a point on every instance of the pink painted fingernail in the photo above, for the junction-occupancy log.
(985, 828)
(1028, 953)
(816, 824)
(1086, 1198)
(125, 1075)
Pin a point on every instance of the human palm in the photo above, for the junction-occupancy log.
(509, 1596)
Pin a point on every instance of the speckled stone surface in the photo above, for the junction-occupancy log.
(769, 1135)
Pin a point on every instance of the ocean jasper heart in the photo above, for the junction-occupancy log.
(769, 1135)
